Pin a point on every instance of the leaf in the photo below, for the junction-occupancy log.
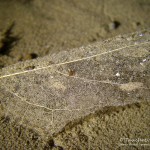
(49, 92)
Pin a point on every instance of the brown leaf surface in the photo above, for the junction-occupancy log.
(49, 92)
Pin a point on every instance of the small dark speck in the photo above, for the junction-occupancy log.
(50, 62)
(72, 72)
(33, 55)
(114, 25)
(29, 67)
(138, 23)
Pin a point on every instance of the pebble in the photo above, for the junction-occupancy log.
(118, 74)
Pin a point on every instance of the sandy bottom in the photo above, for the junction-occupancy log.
(35, 28)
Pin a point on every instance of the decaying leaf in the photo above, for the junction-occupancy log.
(72, 84)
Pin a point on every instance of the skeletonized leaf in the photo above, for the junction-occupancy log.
(49, 92)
